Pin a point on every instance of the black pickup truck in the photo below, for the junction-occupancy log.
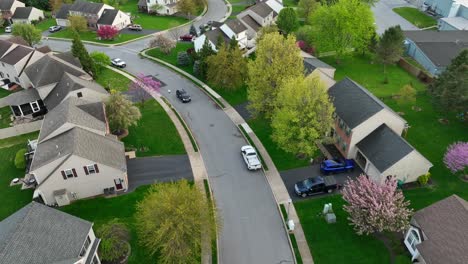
(315, 185)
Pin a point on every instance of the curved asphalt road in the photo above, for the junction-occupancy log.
(252, 230)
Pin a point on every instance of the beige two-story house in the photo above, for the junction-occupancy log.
(8, 8)
(26, 15)
(369, 132)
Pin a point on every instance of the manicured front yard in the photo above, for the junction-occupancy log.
(45, 24)
(155, 133)
(113, 80)
(416, 17)
(91, 36)
(172, 56)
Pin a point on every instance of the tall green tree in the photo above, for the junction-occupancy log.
(100, 60)
(287, 20)
(450, 90)
(28, 32)
(306, 7)
(277, 59)
(202, 56)
(227, 69)
(121, 112)
(342, 26)
(303, 114)
(171, 220)
(78, 23)
(80, 52)
(390, 47)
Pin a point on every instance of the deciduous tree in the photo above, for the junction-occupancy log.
(171, 220)
(227, 69)
(164, 43)
(407, 94)
(306, 7)
(142, 87)
(374, 207)
(78, 23)
(121, 113)
(450, 90)
(114, 241)
(100, 60)
(28, 32)
(277, 59)
(287, 20)
(390, 47)
(456, 158)
(303, 115)
(107, 32)
(342, 26)
(188, 7)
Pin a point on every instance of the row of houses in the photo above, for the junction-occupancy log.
(244, 27)
(15, 11)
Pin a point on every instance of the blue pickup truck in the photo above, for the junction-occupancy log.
(336, 165)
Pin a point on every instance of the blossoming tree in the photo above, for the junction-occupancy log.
(374, 207)
(107, 32)
(143, 86)
(456, 158)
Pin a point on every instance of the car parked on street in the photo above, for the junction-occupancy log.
(116, 62)
(8, 29)
(54, 28)
(183, 96)
(250, 157)
(315, 185)
(187, 37)
(336, 166)
(135, 27)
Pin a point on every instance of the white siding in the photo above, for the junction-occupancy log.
(62, 22)
(15, 5)
(35, 14)
(409, 168)
(122, 20)
(373, 172)
(41, 173)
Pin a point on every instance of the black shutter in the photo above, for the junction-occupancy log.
(96, 167)
(85, 168)
(63, 175)
(74, 172)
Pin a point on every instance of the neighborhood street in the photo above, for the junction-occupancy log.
(385, 17)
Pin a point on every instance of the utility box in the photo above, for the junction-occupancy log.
(291, 225)
(330, 218)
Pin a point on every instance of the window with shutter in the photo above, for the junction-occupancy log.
(91, 169)
(85, 168)
(68, 173)
(74, 173)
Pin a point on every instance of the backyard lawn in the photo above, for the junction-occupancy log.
(5, 114)
(46, 23)
(416, 17)
(155, 133)
(113, 80)
(91, 36)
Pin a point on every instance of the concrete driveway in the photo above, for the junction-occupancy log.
(290, 177)
(148, 170)
(385, 17)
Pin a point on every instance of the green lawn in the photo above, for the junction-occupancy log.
(12, 197)
(290, 3)
(46, 23)
(416, 17)
(236, 9)
(5, 114)
(4, 93)
(155, 133)
(113, 80)
(172, 56)
(151, 21)
(91, 36)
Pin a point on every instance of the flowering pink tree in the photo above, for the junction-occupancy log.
(107, 32)
(456, 158)
(143, 86)
(374, 207)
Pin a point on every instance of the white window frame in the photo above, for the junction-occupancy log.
(91, 168)
(34, 108)
(411, 240)
(71, 173)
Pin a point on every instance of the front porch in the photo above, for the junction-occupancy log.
(25, 106)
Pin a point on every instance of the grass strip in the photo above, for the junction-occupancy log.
(214, 244)
(265, 167)
(192, 140)
(296, 249)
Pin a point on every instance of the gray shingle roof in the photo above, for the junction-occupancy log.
(383, 147)
(262, 9)
(6, 4)
(236, 26)
(48, 70)
(69, 83)
(108, 16)
(22, 12)
(445, 225)
(16, 55)
(251, 23)
(310, 64)
(42, 235)
(68, 57)
(21, 97)
(86, 7)
(63, 12)
(212, 35)
(71, 111)
(439, 46)
(83, 143)
(353, 103)
(4, 46)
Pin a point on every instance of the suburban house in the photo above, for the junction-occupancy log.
(39, 234)
(13, 60)
(434, 50)
(244, 27)
(167, 7)
(438, 233)
(75, 155)
(368, 131)
(8, 8)
(95, 13)
(26, 15)
(314, 65)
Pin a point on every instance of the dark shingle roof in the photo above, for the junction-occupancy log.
(383, 147)
(16, 55)
(21, 97)
(6, 4)
(44, 49)
(63, 12)
(22, 12)
(40, 234)
(353, 103)
(251, 23)
(445, 225)
(440, 46)
(236, 26)
(212, 35)
(310, 64)
(262, 9)
(4, 46)
(86, 7)
(68, 57)
(108, 16)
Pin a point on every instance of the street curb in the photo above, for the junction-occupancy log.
(229, 12)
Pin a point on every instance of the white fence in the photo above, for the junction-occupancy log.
(20, 129)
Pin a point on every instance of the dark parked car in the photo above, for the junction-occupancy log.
(54, 28)
(315, 185)
(183, 96)
(336, 165)
(187, 37)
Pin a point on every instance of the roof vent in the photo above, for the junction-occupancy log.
(56, 146)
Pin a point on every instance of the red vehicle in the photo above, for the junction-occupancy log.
(187, 37)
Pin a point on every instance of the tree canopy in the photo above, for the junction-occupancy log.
(121, 113)
(78, 23)
(100, 60)
(28, 32)
(306, 7)
(80, 52)
(227, 69)
(390, 46)
(287, 20)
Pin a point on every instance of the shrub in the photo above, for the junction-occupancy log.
(114, 243)
(183, 58)
(424, 179)
(20, 161)
(196, 68)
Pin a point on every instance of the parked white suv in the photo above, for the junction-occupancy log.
(250, 157)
